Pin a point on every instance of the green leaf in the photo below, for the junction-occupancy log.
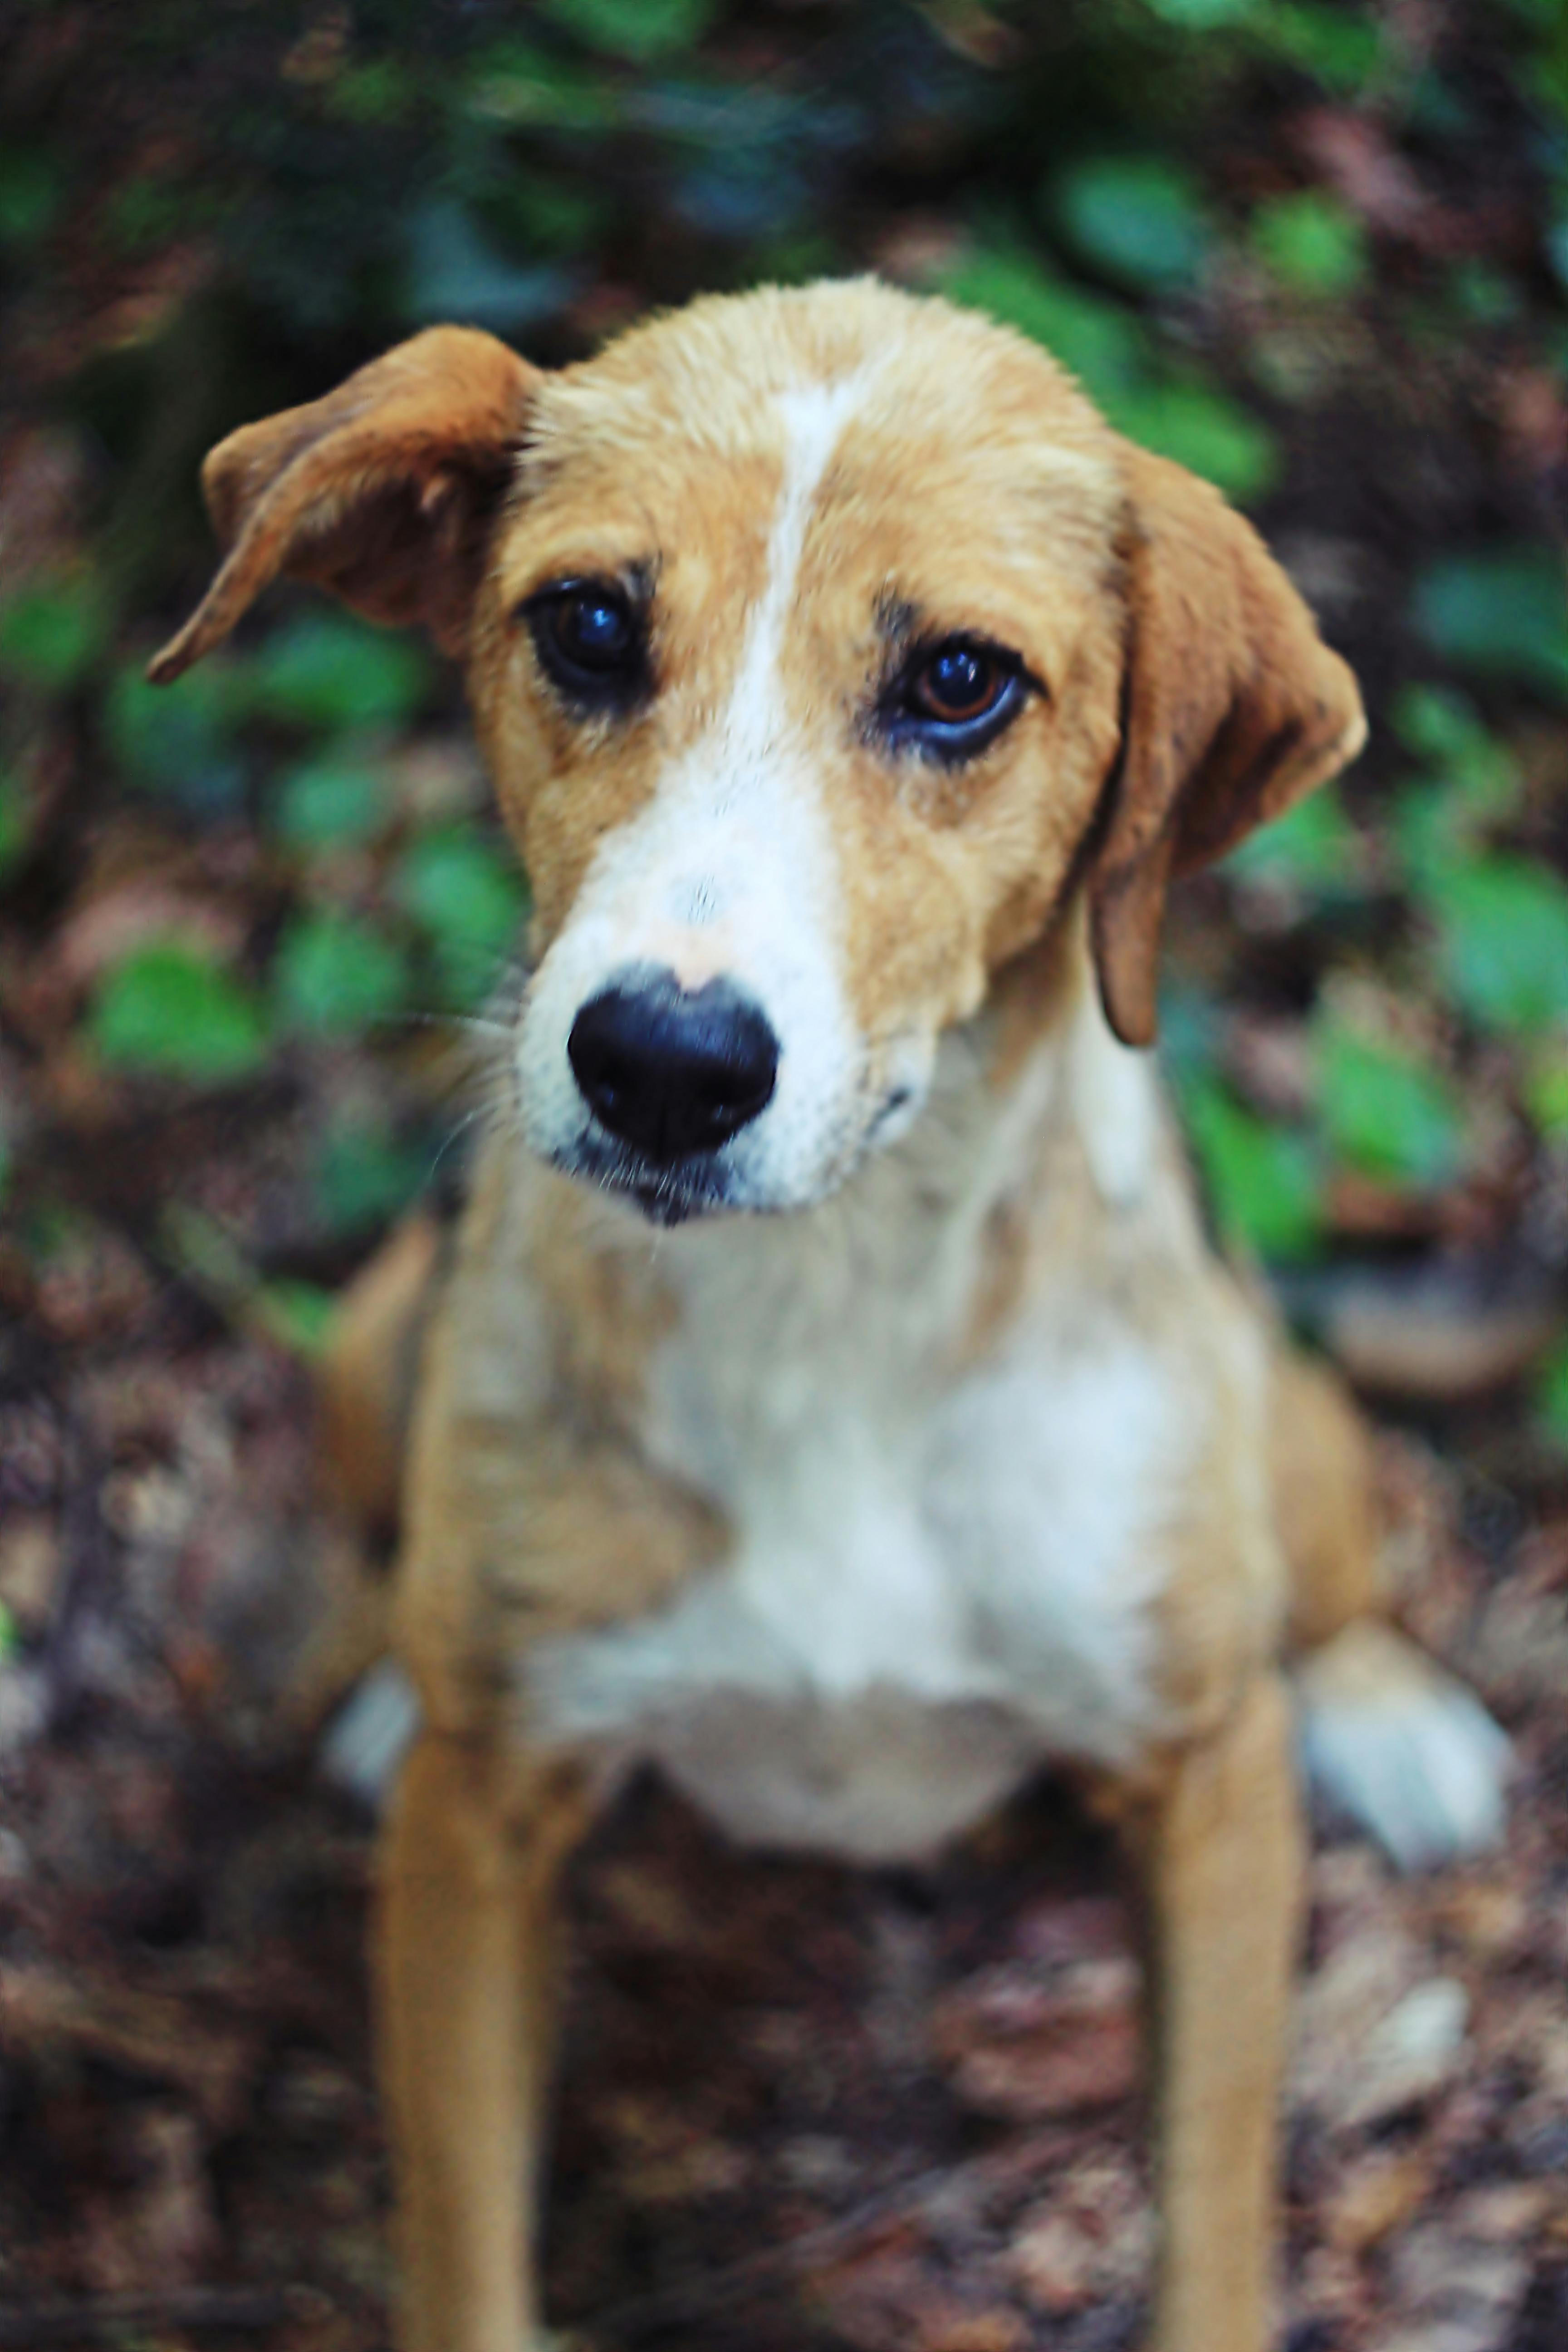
(336, 976)
(50, 635)
(1263, 1181)
(328, 670)
(1204, 15)
(178, 738)
(1203, 429)
(364, 1175)
(10, 1636)
(1438, 723)
(1313, 848)
(1503, 937)
(1503, 611)
(328, 804)
(15, 825)
(456, 273)
(172, 1011)
(1545, 1086)
(1311, 243)
(296, 1315)
(1487, 297)
(1138, 219)
(560, 218)
(1386, 1110)
(470, 900)
(1340, 46)
(30, 194)
(640, 30)
(1550, 1393)
(518, 85)
(1100, 340)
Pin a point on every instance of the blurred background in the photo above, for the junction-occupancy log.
(1315, 250)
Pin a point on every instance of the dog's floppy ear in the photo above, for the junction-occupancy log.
(1234, 707)
(381, 492)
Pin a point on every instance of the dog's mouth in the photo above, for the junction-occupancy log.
(672, 1195)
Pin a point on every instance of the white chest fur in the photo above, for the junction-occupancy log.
(939, 1578)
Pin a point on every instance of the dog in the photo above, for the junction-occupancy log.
(830, 1396)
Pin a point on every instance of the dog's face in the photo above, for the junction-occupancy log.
(798, 683)
(818, 643)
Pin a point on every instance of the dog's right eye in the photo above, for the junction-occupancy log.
(591, 643)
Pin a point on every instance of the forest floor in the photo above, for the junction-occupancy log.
(799, 2107)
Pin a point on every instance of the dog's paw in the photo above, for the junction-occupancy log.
(371, 1734)
(1402, 1748)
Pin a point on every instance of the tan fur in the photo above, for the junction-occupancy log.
(366, 1382)
(1185, 696)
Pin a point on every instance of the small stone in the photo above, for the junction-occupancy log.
(29, 1569)
(1374, 2198)
(1413, 2053)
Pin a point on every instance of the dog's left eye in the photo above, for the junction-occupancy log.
(952, 699)
(957, 684)
(591, 642)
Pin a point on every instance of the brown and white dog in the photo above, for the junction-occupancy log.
(831, 1396)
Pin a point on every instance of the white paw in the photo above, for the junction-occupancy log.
(1402, 1748)
(371, 1734)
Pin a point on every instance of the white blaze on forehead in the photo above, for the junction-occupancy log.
(813, 418)
(730, 870)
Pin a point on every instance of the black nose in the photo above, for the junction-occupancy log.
(670, 1071)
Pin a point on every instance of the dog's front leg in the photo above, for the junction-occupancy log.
(471, 1860)
(1221, 1842)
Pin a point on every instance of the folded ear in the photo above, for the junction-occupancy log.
(383, 492)
(1234, 707)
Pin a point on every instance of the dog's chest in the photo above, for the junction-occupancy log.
(936, 1582)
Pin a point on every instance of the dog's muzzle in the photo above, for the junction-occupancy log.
(672, 1072)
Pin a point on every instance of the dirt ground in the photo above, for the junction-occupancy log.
(799, 2107)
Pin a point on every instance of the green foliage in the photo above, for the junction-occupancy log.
(1098, 339)
(519, 85)
(1546, 1087)
(1107, 347)
(364, 1175)
(1440, 724)
(1440, 824)
(31, 193)
(15, 827)
(335, 802)
(1311, 243)
(1313, 849)
(1503, 933)
(51, 635)
(639, 30)
(1202, 428)
(1386, 1110)
(468, 899)
(169, 1012)
(1137, 218)
(1263, 1181)
(325, 670)
(1502, 612)
(1341, 48)
(295, 1315)
(179, 740)
(336, 976)
(1202, 15)
(1550, 1397)
(455, 273)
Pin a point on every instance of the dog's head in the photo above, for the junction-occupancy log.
(821, 643)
